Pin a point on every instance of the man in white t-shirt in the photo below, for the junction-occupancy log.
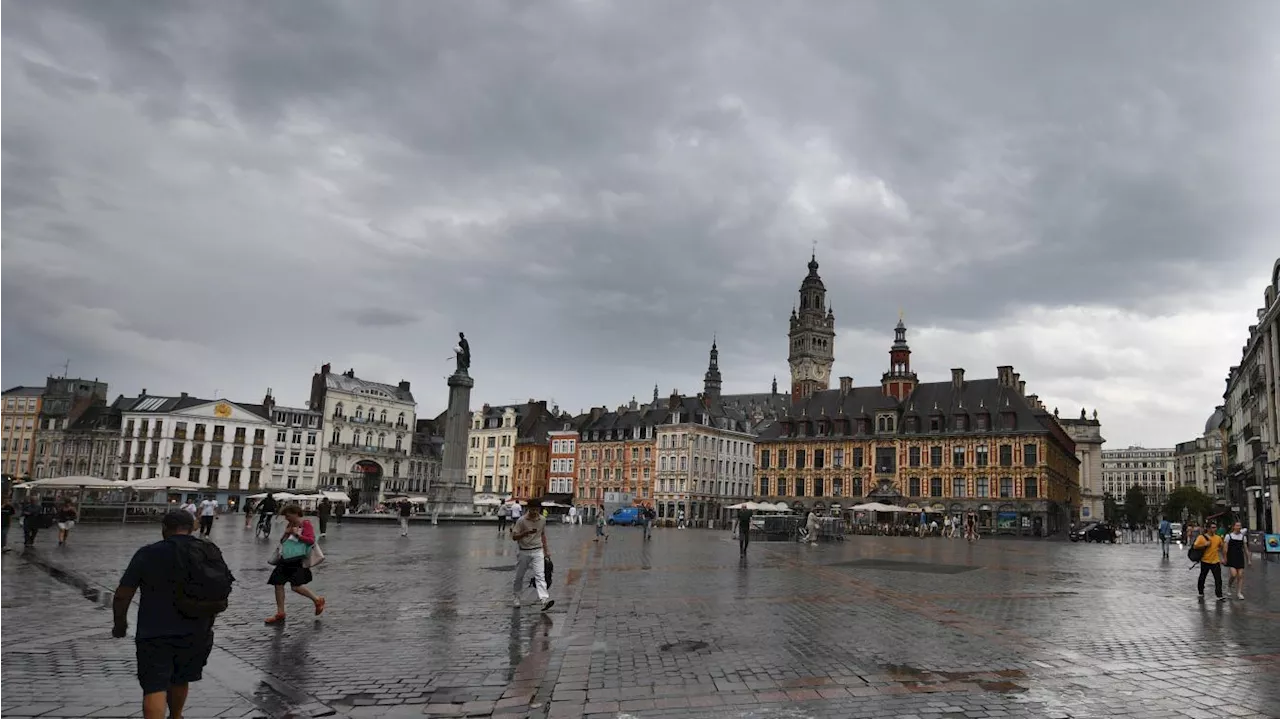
(208, 510)
(190, 508)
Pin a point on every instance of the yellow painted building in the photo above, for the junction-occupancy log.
(19, 419)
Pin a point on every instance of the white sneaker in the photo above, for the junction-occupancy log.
(1239, 596)
(517, 604)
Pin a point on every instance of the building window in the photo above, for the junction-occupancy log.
(800, 458)
(958, 487)
(764, 459)
(935, 486)
(858, 459)
(982, 422)
(980, 455)
(983, 490)
(913, 487)
(1006, 455)
(782, 487)
(935, 456)
(886, 460)
(310, 461)
(782, 459)
(818, 459)
(913, 457)
(818, 489)
(1029, 454)
(799, 487)
(291, 483)
(935, 424)
(280, 458)
(764, 486)
(1006, 487)
(1030, 487)
(837, 458)
(957, 456)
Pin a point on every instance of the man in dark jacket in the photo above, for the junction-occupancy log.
(31, 520)
(323, 512)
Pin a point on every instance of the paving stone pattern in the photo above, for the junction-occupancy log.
(679, 626)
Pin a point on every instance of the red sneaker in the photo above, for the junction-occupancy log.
(320, 606)
(275, 619)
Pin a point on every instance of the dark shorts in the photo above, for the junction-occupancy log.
(167, 661)
(290, 571)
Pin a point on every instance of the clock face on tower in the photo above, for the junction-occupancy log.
(819, 373)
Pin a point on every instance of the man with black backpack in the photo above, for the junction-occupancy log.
(185, 584)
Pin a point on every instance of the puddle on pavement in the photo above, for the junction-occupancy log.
(684, 645)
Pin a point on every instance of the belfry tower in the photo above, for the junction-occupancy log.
(899, 382)
(812, 338)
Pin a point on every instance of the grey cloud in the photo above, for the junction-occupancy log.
(604, 185)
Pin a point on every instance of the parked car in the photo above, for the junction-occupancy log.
(1078, 533)
(1101, 532)
(626, 516)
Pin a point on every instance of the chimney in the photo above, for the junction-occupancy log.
(350, 373)
(957, 379)
(597, 412)
(1004, 374)
(1022, 387)
(324, 368)
(1014, 379)
(144, 392)
(1035, 401)
(184, 394)
(486, 407)
(269, 402)
(846, 386)
(404, 385)
(674, 400)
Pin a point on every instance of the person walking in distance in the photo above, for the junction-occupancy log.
(323, 510)
(7, 510)
(680, 519)
(406, 509)
(294, 567)
(744, 530)
(65, 517)
(190, 507)
(185, 583)
(1237, 558)
(647, 516)
(502, 519)
(208, 510)
(530, 535)
(1166, 536)
(340, 511)
(31, 520)
(1209, 544)
(600, 522)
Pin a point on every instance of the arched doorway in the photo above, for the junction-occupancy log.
(367, 481)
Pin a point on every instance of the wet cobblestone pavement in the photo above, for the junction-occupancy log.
(677, 627)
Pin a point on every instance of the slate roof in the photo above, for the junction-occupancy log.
(692, 407)
(152, 404)
(346, 383)
(97, 417)
(941, 400)
(23, 391)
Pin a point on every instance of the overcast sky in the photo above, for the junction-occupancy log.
(222, 196)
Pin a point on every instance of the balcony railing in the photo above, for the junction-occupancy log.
(259, 441)
(199, 437)
(175, 459)
(367, 449)
(215, 462)
(237, 463)
(255, 464)
(197, 461)
(238, 440)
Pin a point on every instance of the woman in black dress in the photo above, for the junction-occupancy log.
(294, 567)
(1237, 559)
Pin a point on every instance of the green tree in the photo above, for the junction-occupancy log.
(1135, 505)
(1110, 508)
(1188, 501)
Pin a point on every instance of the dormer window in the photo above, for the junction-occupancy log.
(935, 424)
(983, 421)
(913, 424)
(961, 423)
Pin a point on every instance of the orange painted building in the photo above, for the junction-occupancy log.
(530, 470)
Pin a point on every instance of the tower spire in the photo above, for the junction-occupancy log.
(899, 382)
(711, 380)
(812, 336)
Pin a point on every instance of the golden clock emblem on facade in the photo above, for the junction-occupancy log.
(222, 409)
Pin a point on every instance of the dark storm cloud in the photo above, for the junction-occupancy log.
(592, 189)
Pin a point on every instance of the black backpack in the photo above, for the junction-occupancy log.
(1194, 553)
(204, 579)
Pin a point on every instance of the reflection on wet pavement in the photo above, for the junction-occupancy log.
(681, 626)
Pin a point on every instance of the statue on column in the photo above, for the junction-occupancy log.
(463, 353)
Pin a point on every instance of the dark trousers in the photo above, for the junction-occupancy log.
(1206, 568)
(502, 522)
(206, 525)
(744, 539)
(324, 522)
(30, 529)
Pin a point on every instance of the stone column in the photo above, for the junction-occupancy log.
(452, 494)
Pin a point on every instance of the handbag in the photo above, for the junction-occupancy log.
(315, 557)
(292, 548)
(275, 556)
